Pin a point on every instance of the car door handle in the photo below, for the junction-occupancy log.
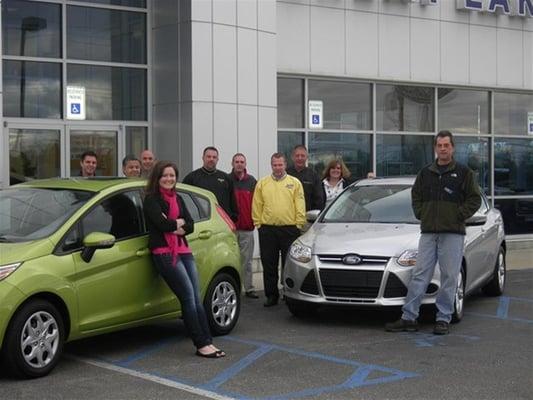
(205, 234)
(142, 252)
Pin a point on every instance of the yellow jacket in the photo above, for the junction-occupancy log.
(279, 202)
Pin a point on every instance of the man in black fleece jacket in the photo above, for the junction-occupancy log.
(210, 178)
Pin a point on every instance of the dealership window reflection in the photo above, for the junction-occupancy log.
(474, 153)
(513, 166)
(405, 108)
(403, 154)
(511, 112)
(347, 105)
(463, 111)
(290, 103)
(33, 154)
(355, 149)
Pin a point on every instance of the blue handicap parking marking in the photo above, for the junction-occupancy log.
(316, 119)
(362, 374)
(422, 339)
(75, 108)
(503, 310)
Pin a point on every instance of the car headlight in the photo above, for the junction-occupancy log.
(408, 258)
(299, 252)
(6, 270)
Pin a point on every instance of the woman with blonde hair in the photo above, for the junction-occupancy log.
(335, 179)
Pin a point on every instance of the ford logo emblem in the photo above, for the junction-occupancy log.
(351, 259)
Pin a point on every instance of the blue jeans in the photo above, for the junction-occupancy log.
(182, 279)
(447, 249)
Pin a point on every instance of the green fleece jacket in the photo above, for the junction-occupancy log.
(442, 201)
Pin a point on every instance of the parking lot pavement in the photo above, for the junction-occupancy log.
(338, 354)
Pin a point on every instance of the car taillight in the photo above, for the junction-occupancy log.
(226, 218)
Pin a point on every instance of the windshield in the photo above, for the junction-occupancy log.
(29, 214)
(373, 203)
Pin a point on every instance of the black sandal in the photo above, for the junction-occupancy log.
(214, 354)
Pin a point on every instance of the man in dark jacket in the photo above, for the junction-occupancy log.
(313, 191)
(210, 178)
(444, 195)
(244, 185)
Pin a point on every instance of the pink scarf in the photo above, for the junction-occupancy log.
(169, 195)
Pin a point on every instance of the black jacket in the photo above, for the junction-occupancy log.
(220, 184)
(313, 189)
(442, 201)
(154, 208)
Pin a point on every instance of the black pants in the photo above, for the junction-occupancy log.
(273, 240)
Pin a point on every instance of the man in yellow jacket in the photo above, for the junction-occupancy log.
(278, 212)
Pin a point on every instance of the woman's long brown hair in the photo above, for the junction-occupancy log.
(152, 187)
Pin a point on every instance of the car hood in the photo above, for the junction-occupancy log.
(387, 240)
(23, 251)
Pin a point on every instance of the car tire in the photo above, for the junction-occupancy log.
(301, 309)
(34, 340)
(459, 300)
(496, 284)
(222, 304)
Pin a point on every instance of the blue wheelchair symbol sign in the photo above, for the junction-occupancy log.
(316, 119)
(75, 108)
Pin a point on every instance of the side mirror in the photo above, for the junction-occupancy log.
(94, 241)
(476, 220)
(312, 215)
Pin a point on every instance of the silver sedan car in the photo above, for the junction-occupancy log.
(361, 251)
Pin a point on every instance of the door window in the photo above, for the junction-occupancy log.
(119, 215)
(103, 143)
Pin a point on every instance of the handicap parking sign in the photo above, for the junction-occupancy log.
(316, 119)
(75, 108)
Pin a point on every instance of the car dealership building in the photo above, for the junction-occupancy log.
(370, 81)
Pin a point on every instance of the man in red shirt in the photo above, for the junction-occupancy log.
(243, 186)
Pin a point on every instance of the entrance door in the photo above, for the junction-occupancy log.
(104, 141)
(34, 152)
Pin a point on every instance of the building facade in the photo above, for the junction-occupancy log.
(370, 81)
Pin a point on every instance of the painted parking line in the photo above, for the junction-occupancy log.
(360, 376)
(150, 377)
(502, 312)
(422, 339)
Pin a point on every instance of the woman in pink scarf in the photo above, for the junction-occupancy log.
(168, 221)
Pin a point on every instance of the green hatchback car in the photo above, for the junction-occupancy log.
(74, 263)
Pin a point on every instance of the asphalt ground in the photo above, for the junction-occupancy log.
(339, 354)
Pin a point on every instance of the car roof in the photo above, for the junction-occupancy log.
(396, 180)
(98, 184)
(95, 184)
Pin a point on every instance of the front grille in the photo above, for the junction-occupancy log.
(309, 284)
(337, 259)
(395, 287)
(350, 283)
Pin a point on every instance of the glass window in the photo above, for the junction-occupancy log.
(103, 143)
(33, 154)
(31, 28)
(118, 215)
(112, 93)
(354, 149)
(403, 154)
(31, 213)
(463, 111)
(125, 3)
(287, 141)
(136, 139)
(517, 215)
(513, 166)
(405, 108)
(32, 89)
(290, 103)
(511, 113)
(474, 152)
(347, 105)
(106, 35)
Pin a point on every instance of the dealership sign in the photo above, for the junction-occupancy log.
(521, 8)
